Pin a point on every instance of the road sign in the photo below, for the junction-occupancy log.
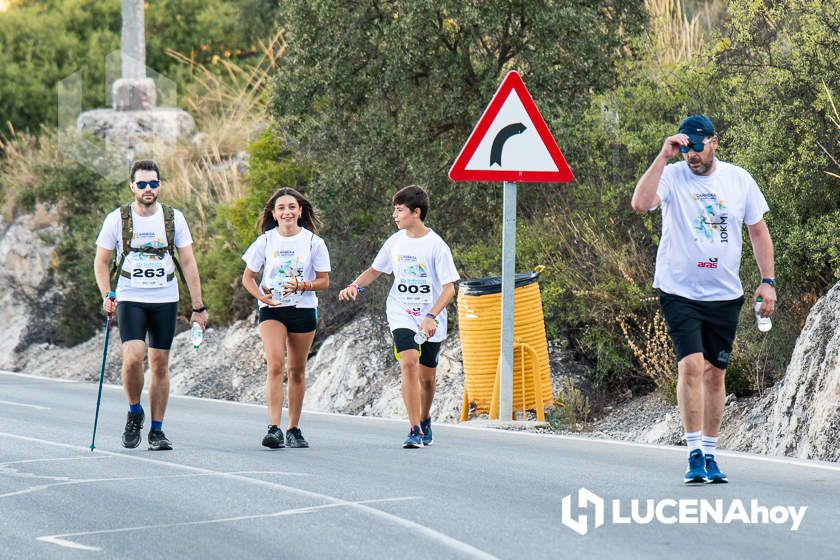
(511, 142)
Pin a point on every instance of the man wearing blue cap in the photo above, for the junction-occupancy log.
(704, 203)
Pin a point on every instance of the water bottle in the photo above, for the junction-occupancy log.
(763, 323)
(196, 335)
(420, 337)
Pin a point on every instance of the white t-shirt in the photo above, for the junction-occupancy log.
(300, 255)
(421, 266)
(699, 254)
(146, 270)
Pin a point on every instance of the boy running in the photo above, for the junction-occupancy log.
(424, 284)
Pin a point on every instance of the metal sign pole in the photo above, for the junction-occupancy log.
(508, 280)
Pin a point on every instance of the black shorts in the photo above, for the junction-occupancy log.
(702, 326)
(136, 319)
(295, 319)
(404, 340)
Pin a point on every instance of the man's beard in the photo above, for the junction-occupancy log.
(142, 200)
(704, 167)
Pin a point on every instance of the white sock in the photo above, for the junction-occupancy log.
(692, 439)
(709, 444)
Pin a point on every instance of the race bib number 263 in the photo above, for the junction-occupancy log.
(147, 271)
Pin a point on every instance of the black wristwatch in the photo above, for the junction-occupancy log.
(201, 309)
(771, 281)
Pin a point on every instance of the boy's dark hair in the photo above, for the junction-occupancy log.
(412, 196)
(144, 165)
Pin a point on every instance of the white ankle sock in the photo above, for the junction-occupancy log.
(709, 444)
(693, 441)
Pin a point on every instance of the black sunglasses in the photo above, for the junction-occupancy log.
(696, 146)
(141, 185)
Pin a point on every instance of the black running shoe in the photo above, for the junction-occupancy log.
(158, 441)
(274, 438)
(133, 426)
(294, 438)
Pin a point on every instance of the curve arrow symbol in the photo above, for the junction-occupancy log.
(501, 138)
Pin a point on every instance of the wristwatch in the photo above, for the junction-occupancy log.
(201, 309)
(771, 281)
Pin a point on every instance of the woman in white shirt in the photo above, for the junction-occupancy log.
(295, 264)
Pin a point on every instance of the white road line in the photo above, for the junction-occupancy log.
(60, 540)
(433, 535)
(52, 459)
(35, 406)
(56, 379)
(807, 463)
(65, 481)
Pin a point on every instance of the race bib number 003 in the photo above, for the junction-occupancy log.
(147, 271)
(414, 291)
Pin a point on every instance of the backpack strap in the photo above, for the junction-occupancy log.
(169, 228)
(127, 228)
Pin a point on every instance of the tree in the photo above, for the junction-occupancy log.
(383, 93)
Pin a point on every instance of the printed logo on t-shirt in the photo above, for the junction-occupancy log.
(413, 284)
(289, 265)
(147, 240)
(712, 221)
(712, 262)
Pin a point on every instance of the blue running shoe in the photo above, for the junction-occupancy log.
(713, 474)
(696, 471)
(426, 426)
(414, 439)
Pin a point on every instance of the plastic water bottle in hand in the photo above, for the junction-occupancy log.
(420, 337)
(764, 324)
(196, 335)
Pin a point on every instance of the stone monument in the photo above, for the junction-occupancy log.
(135, 119)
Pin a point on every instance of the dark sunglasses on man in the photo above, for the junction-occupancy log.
(141, 185)
(696, 146)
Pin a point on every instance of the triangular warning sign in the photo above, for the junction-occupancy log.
(511, 142)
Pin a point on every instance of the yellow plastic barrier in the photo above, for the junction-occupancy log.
(480, 321)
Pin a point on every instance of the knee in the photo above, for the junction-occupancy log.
(409, 363)
(132, 360)
(692, 367)
(427, 383)
(275, 370)
(714, 376)
(296, 375)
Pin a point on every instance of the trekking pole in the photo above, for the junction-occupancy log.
(111, 296)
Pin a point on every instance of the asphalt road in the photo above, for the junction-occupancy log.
(476, 493)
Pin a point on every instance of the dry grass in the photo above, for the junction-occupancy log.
(834, 117)
(230, 110)
(571, 410)
(23, 153)
(674, 36)
(651, 346)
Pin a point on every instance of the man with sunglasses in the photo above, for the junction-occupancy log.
(147, 293)
(704, 203)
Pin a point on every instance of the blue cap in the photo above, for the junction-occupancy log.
(697, 127)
